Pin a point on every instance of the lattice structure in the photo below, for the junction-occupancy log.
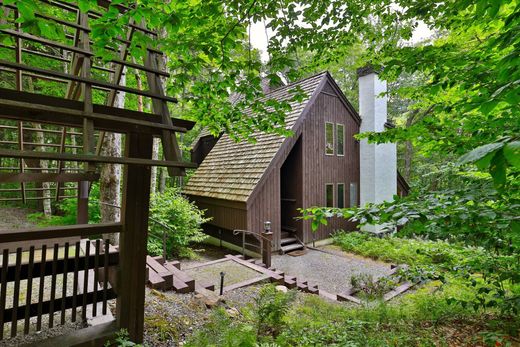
(56, 135)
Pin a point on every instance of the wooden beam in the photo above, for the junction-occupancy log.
(92, 337)
(132, 242)
(63, 177)
(81, 79)
(8, 153)
(59, 231)
(42, 108)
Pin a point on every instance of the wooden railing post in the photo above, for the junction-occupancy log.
(267, 241)
(132, 241)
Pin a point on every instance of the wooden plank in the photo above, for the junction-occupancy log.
(53, 286)
(132, 242)
(272, 274)
(34, 308)
(290, 282)
(3, 290)
(86, 269)
(64, 282)
(96, 275)
(181, 275)
(16, 292)
(8, 153)
(156, 281)
(45, 109)
(161, 271)
(105, 275)
(327, 295)
(41, 288)
(88, 80)
(63, 177)
(92, 336)
(28, 297)
(59, 232)
(246, 283)
(75, 281)
(401, 289)
(348, 297)
(213, 262)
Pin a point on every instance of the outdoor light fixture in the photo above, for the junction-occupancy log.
(267, 226)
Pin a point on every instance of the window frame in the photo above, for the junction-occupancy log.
(338, 195)
(333, 139)
(333, 195)
(337, 141)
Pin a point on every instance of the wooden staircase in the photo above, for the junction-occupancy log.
(289, 242)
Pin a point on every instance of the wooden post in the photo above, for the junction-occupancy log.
(82, 209)
(267, 241)
(132, 241)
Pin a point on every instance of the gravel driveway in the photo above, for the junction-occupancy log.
(332, 271)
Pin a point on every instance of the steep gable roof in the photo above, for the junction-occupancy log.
(232, 170)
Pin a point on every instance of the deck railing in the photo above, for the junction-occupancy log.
(80, 276)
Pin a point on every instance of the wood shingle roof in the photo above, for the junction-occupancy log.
(232, 170)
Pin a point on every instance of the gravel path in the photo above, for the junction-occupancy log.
(14, 218)
(332, 271)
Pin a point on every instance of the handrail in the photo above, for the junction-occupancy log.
(264, 248)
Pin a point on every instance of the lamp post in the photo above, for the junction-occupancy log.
(267, 239)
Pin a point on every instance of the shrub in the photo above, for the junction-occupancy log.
(271, 307)
(67, 211)
(172, 213)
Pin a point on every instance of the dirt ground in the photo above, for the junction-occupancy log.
(14, 218)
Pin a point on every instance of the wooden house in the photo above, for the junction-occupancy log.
(242, 185)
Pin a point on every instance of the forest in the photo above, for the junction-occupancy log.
(454, 98)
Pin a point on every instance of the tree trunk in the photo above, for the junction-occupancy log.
(110, 178)
(155, 156)
(162, 179)
(44, 164)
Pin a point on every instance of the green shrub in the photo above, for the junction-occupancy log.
(180, 219)
(67, 211)
(271, 307)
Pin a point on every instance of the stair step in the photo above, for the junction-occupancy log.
(285, 234)
(291, 247)
(288, 228)
(287, 240)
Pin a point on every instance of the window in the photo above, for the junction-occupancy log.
(340, 139)
(329, 138)
(353, 194)
(341, 195)
(329, 195)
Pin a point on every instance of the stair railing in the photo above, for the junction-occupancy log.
(265, 238)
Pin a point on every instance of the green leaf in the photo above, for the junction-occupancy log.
(480, 153)
(497, 169)
(512, 153)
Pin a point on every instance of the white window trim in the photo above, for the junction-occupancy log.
(337, 195)
(333, 195)
(336, 142)
(333, 139)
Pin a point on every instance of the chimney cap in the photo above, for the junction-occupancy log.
(367, 70)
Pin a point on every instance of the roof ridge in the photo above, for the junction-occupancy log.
(324, 72)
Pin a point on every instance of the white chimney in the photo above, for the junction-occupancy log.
(378, 162)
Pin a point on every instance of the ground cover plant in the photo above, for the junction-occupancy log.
(439, 311)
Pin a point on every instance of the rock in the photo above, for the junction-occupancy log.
(208, 301)
(233, 312)
(282, 289)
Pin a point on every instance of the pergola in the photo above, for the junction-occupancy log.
(117, 272)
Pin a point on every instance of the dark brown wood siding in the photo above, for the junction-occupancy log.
(320, 169)
(265, 206)
(225, 214)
